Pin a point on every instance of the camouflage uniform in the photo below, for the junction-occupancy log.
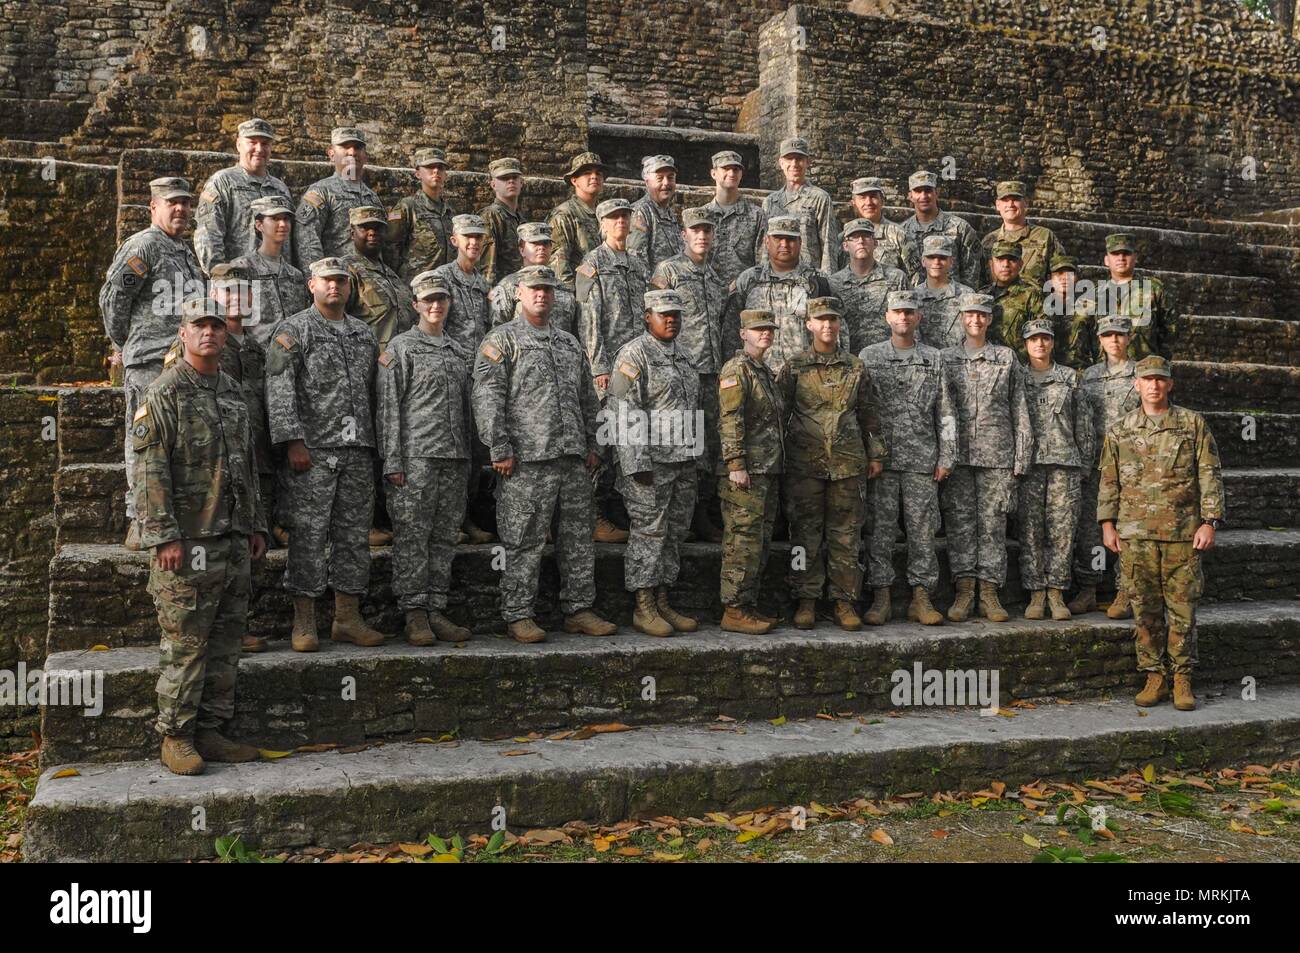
(534, 401)
(576, 233)
(941, 325)
(321, 228)
(1111, 395)
(223, 221)
(895, 250)
(419, 235)
(966, 244)
(1013, 305)
(919, 427)
(379, 297)
(863, 300)
(1160, 480)
(995, 444)
(786, 295)
(655, 235)
(501, 249)
(611, 286)
(319, 377)
(279, 290)
(195, 484)
(422, 425)
(1038, 248)
(815, 211)
(737, 238)
(467, 319)
(1143, 301)
(503, 304)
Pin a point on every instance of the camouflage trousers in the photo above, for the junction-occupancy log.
(1048, 514)
(330, 507)
(748, 516)
(659, 518)
(825, 527)
(1164, 580)
(526, 501)
(135, 382)
(203, 612)
(1089, 554)
(426, 513)
(975, 502)
(917, 495)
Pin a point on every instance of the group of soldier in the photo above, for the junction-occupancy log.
(301, 363)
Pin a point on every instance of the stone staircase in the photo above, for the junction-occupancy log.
(829, 691)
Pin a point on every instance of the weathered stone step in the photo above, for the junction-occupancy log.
(491, 688)
(1263, 497)
(98, 597)
(1238, 340)
(1203, 385)
(136, 811)
(1258, 439)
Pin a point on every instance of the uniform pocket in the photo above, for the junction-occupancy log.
(176, 592)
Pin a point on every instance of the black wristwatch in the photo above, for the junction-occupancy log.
(1213, 524)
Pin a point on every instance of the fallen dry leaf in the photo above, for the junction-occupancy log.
(880, 837)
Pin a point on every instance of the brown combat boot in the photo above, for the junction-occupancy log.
(304, 638)
(212, 745)
(252, 644)
(607, 532)
(526, 631)
(586, 622)
(881, 607)
(702, 525)
(805, 616)
(446, 630)
(473, 533)
(682, 623)
(922, 610)
(380, 537)
(990, 605)
(1037, 608)
(846, 617)
(1155, 691)
(1056, 602)
(179, 757)
(1184, 700)
(772, 620)
(743, 619)
(1084, 601)
(646, 618)
(349, 626)
(964, 602)
(417, 628)
(1120, 608)
(132, 541)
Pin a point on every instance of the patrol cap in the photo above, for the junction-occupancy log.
(725, 158)
(271, 205)
(936, 245)
(1063, 263)
(537, 276)
(1120, 241)
(170, 187)
(821, 308)
(696, 217)
(613, 207)
(974, 301)
(340, 135)
(229, 271)
(256, 127)
(468, 225)
(652, 164)
(1011, 187)
(428, 283)
(794, 146)
(1114, 324)
(923, 180)
(902, 301)
(534, 232)
(584, 160)
(856, 227)
(366, 215)
(1003, 249)
(500, 168)
(1037, 326)
(429, 155)
(663, 301)
(755, 319)
(786, 225)
(194, 310)
(328, 267)
(868, 184)
(1153, 365)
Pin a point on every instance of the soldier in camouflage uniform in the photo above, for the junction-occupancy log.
(419, 225)
(536, 409)
(809, 205)
(741, 224)
(919, 427)
(322, 228)
(1059, 306)
(279, 289)
(783, 284)
(752, 428)
(1049, 494)
(654, 235)
(1142, 300)
(503, 218)
(995, 446)
(831, 450)
(575, 229)
(1015, 301)
(422, 426)
(1039, 247)
(929, 219)
(534, 249)
(657, 432)
(1112, 393)
(153, 272)
(893, 248)
(201, 516)
(320, 371)
(862, 286)
(223, 222)
(379, 297)
(1160, 505)
(938, 296)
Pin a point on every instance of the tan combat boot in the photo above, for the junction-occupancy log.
(348, 624)
(805, 617)
(586, 622)
(607, 532)
(964, 602)
(772, 620)
(1056, 602)
(990, 605)
(646, 618)
(473, 533)
(922, 610)
(252, 643)
(881, 607)
(212, 745)
(304, 638)
(179, 757)
(846, 617)
(743, 619)
(1155, 691)
(417, 628)
(682, 623)
(1120, 608)
(1184, 700)
(1037, 607)
(132, 541)
(380, 537)
(446, 630)
(1084, 601)
(526, 630)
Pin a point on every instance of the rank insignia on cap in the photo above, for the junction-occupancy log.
(395, 215)
(136, 264)
(491, 352)
(208, 196)
(285, 341)
(727, 382)
(630, 372)
(385, 359)
(314, 199)
(141, 412)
